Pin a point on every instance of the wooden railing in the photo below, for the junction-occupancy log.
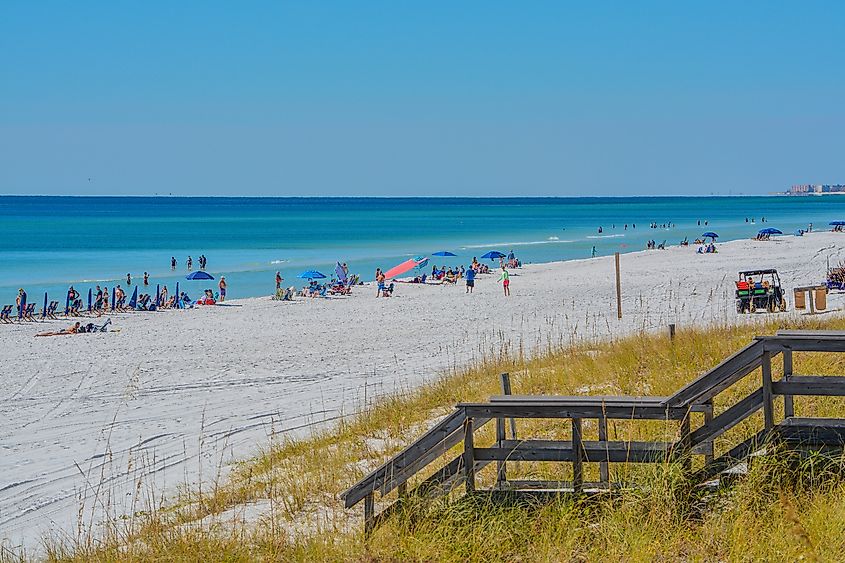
(697, 397)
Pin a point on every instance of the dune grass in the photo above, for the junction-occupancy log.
(283, 504)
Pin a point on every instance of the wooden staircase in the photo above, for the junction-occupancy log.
(696, 397)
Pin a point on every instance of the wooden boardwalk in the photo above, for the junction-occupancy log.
(756, 358)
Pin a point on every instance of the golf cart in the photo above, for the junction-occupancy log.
(759, 289)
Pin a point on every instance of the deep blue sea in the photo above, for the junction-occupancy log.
(47, 243)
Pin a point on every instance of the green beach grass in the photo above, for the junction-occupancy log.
(283, 505)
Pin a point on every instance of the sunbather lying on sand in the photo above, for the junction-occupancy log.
(73, 329)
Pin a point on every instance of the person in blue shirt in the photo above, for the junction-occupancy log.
(470, 275)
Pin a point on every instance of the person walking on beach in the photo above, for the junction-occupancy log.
(506, 281)
(146, 279)
(222, 286)
(470, 275)
(279, 280)
(173, 263)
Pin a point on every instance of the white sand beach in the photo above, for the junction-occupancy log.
(174, 394)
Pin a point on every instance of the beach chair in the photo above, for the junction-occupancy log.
(5, 314)
(28, 312)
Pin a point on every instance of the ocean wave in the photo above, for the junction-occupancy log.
(550, 240)
(606, 236)
(279, 261)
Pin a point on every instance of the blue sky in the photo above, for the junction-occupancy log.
(434, 98)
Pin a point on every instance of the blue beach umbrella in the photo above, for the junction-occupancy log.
(134, 301)
(44, 310)
(710, 234)
(113, 294)
(199, 275)
(493, 255)
(178, 297)
(67, 303)
(90, 294)
(836, 223)
(311, 275)
(770, 231)
(443, 253)
(158, 295)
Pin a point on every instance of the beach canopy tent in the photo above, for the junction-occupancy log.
(133, 303)
(493, 255)
(710, 234)
(770, 231)
(444, 253)
(311, 275)
(199, 275)
(836, 223)
(405, 266)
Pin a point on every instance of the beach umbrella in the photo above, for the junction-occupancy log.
(710, 234)
(400, 269)
(113, 295)
(837, 223)
(770, 231)
(134, 301)
(44, 310)
(341, 275)
(311, 275)
(199, 275)
(67, 303)
(493, 255)
(89, 299)
(443, 253)
(178, 297)
(158, 296)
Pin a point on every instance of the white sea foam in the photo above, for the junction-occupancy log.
(606, 236)
(550, 240)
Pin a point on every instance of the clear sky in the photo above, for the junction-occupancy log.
(428, 98)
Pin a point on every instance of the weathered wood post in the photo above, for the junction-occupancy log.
(768, 406)
(671, 331)
(618, 289)
(506, 390)
(604, 470)
(469, 457)
(685, 441)
(577, 456)
(369, 514)
(788, 404)
(708, 418)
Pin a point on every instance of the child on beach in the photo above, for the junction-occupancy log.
(506, 282)
(222, 286)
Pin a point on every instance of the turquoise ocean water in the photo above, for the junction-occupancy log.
(47, 243)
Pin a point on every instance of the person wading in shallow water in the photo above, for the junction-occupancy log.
(506, 281)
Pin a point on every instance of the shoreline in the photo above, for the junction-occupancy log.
(181, 392)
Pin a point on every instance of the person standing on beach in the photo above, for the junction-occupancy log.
(222, 286)
(173, 263)
(470, 275)
(279, 280)
(146, 279)
(506, 281)
(594, 252)
(380, 288)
